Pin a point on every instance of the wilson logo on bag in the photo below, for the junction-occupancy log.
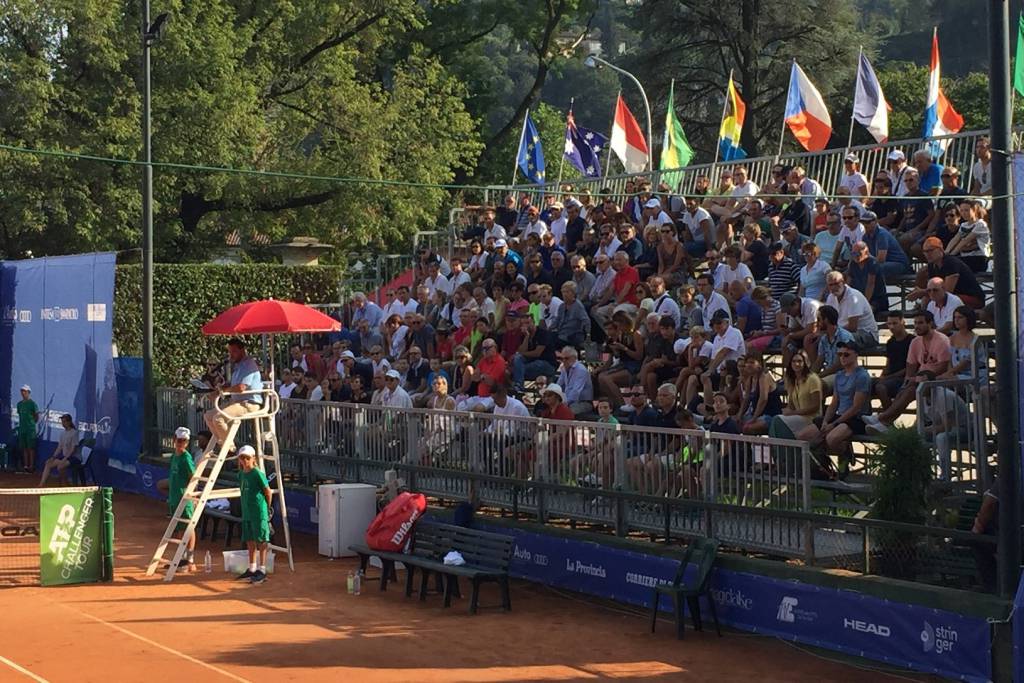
(391, 529)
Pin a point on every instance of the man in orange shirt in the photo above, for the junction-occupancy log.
(491, 369)
(623, 289)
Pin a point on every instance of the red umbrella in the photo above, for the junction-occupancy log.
(270, 317)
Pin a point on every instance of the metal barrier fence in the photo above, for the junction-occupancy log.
(826, 167)
(752, 493)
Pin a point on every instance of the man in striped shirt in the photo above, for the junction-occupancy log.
(783, 272)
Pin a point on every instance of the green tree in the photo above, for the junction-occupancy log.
(303, 86)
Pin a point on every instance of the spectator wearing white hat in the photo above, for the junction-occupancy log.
(654, 215)
(897, 167)
(853, 180)
(394, 395)
(28, 417)
(558, 223)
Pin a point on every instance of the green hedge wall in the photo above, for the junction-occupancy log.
(186, 296)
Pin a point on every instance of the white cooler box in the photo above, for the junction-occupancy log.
(237, 561)
(344, 511)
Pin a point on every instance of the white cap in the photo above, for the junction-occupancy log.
(897, 155)
(393, 374)
(246, 450)
(183, 433)
(347, 354)
(553, 389)
(852, 157)
(652, 203)
(573, 202)
(500, 242)
(680, 345)
(25, 387)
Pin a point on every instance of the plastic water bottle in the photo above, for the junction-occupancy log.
(357, 581)
(208, 563)
(351, 583)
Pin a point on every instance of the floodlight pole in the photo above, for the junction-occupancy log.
(1005, 300)
(148, 395)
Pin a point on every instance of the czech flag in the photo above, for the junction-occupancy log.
(806, 114)
(628, 142)
(939, 116)
(732, 125)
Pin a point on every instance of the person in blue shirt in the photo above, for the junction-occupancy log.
(851, 401)
(930, 172)
(364, 309)
(884, 247)
(245, 377)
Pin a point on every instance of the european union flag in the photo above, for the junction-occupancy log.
(583, 148)
(531, 155)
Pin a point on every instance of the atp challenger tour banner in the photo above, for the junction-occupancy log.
(921, 638)
(70, 538)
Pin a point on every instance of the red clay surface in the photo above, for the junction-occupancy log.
(303, 626)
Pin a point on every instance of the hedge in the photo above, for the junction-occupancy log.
(186, 296)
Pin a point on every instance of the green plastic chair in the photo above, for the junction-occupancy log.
(702, 552)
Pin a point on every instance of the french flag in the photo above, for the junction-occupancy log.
(806, 114)
(869, 106)
(939, 116)
(628, 142)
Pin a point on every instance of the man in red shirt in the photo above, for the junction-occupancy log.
(624, 290)
(929, 351)
(491, 369)
(514, 335)
(560, 439)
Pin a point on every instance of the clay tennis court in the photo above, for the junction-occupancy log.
(305, 627)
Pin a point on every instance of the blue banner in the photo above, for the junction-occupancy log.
(56, 335)
(921, 638)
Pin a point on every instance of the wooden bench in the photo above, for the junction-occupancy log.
(487, 557)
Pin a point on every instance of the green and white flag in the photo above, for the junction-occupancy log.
(675, 149)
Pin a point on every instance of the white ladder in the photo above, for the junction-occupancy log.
(204, 480)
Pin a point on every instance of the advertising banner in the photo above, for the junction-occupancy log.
(56, 335)
(926, 639)
(70, 538)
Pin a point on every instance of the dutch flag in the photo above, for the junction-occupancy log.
(939, 116)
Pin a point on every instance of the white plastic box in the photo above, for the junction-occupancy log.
(237, 561)
(344, 511)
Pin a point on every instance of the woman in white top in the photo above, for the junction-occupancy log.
(853, 180)
(66, 453)
(972, 242)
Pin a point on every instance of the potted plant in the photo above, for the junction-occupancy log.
(903, 474)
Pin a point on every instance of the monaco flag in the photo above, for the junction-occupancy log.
(627, 141)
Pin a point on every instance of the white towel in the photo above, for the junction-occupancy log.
(454, 559)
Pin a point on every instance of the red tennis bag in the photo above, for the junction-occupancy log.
(392, 528)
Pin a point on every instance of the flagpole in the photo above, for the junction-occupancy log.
(561, 159)
(608, 166)
(853, 111)
(721, 122)
(782, 133)
(522, 135)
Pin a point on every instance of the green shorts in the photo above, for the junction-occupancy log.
(186, 513)
(27, 439)
(258, 531)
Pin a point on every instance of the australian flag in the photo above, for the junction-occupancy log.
(583, 148)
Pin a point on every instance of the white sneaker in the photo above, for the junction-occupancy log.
(873, 424)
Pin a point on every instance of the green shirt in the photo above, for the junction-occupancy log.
(180, 473)
(254, 503)
(27, 410)
(536, 313)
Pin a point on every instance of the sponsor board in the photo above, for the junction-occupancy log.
(925, 639)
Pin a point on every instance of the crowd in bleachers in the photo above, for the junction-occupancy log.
(737, 307)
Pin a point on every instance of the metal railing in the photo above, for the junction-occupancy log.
(752, 493)
(826, 167)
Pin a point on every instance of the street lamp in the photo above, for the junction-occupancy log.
(151, 32)
(595, 62)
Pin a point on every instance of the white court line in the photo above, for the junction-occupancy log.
(22, 670)
(146, 640)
